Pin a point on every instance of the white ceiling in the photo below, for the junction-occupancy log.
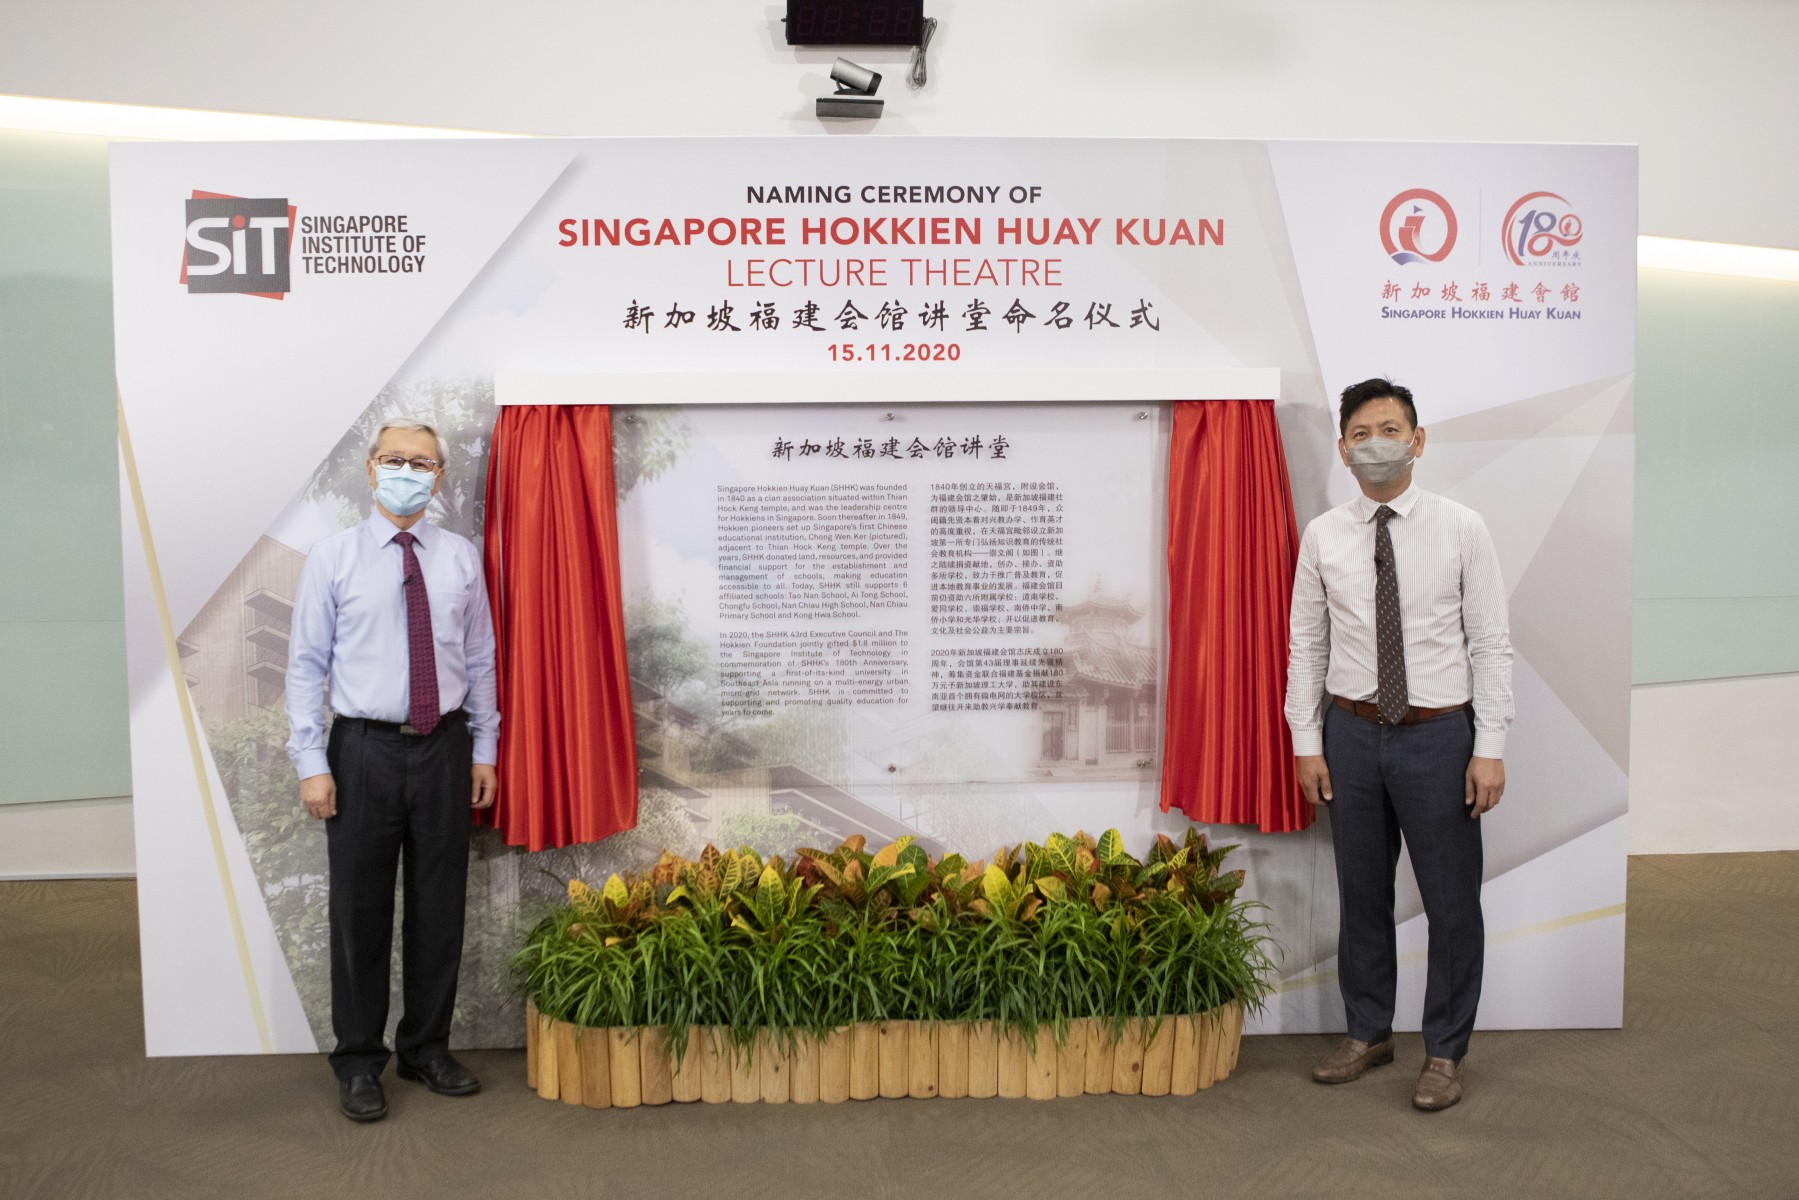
(1709, 90)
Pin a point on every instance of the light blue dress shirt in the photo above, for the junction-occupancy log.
(349, 628)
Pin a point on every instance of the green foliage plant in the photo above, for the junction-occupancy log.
(1042, 934)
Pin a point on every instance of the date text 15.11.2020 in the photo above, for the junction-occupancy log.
(849, 352)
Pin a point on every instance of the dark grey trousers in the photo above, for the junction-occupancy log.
(402, 804)
(1389, 782)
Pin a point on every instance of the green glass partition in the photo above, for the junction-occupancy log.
(62, 633)
(1717, 512)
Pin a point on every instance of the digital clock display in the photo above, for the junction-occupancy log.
(854, 22)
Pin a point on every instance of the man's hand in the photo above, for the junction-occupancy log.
(319, 794)
(487, 785)
(1483, 785)
(1314, 778)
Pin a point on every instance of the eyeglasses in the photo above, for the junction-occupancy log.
(393, 462)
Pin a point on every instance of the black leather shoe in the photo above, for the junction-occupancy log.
(360, 1098)
(443, 1075)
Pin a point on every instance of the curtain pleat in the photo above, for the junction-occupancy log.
(568, 757)
(1232, 545)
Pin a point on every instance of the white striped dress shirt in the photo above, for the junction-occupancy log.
(1452, 606)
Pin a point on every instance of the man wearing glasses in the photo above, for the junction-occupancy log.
(393, 615)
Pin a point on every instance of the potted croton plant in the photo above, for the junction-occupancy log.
(1055, 969)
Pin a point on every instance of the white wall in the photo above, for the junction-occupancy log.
(67, 838)
(1711, 766)
(1707, 88)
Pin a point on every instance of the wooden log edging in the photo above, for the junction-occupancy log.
(626, 1068)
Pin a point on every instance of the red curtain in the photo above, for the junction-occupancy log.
(1232, 546)
(568, 758)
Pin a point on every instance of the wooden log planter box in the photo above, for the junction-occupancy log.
(709, 981)
(625, 1068)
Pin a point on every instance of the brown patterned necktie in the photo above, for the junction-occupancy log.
(1390, 694)
(421, 653)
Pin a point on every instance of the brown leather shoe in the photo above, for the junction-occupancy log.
(1350, 1060)
(1439, 1085)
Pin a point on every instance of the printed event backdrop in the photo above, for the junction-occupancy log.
(904, 617)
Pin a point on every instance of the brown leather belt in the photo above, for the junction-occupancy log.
(1368, 710)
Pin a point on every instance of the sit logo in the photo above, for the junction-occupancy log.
(238, 245)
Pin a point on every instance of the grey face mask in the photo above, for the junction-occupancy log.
(1378, 460)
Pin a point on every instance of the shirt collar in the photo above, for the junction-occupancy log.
(383, 530)
(1402, 504)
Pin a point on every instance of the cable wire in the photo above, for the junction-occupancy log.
(916, 79)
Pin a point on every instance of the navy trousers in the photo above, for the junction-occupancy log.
(402, 803)
(1394, 782)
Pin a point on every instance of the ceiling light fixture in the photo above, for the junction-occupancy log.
(1718, 258)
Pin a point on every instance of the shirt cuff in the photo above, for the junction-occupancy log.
(487, 746)
(312, 762)
(1489, 743)
(1308, 743)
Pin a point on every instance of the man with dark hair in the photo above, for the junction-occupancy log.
(1399, 697)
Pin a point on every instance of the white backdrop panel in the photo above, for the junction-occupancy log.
(249, 417)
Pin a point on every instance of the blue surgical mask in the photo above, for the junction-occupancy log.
(403, 491)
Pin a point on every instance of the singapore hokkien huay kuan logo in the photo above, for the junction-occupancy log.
(238, 245)
(1542, 229)
(1418, 226)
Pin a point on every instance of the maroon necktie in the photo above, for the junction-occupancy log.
(421, 655)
